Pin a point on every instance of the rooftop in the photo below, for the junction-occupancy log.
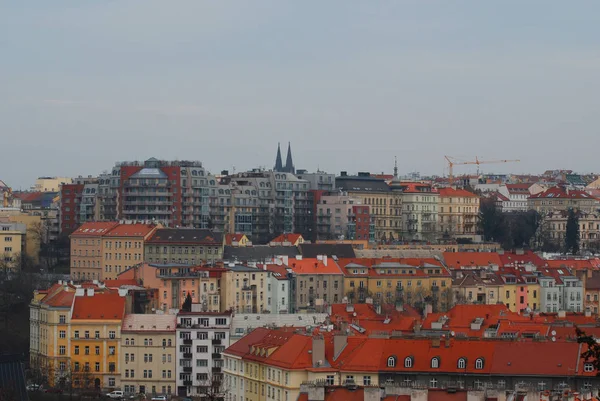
(185, 236)
(94, 229)
(149, 323)
(100, 306)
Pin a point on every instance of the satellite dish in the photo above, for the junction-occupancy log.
(553, 332)
(553, 339)
(452, 333)
(354, 314)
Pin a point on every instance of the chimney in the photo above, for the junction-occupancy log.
(339, 343)
(588, 313)
(562, 314)
(90, 292)
(325, 260)
(435, 342)
(372, 394)
(318, 351)
(316, 393)
(79, 292)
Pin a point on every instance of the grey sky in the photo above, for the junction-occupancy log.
(350, 83)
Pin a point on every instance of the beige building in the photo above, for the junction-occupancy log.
(189, 246)
(51, 184)
(123, 247)
(589, 227)
(148, 354)
(458, 213)
(419, 211)
(245, 289)
(12, 243)
(87, 250)
(560, 198)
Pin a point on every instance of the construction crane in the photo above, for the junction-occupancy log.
(452, 162)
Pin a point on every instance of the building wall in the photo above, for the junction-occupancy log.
(136, 348)
(120, 253)
(87, 257)
(70, 197)
(458, 215)
(183, 253)
(245, 290)
(33, 224)
(314, 290)
(12, 244)
(419, 215)
(51, 184)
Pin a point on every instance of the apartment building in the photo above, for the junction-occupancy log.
(201, 339)
(50, 184)
(184, 246)
(72, 213)
(87, 248)
(341, 217)
(316, 283)
(148, 354)
(563, 198)
(385, 204)
(589, 227)
(123, 247)
(516, 195)
(95, 338)
(278, 288)
(419, 211)
(246, 290)
(319, 181)
(560, 290)
(12, 243)
(458, 213)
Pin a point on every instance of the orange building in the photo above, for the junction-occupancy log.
(124, 247)
(87, 250)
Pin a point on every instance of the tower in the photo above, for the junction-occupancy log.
(278, 163)
(289, 165)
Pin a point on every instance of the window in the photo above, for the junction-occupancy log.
(435, 363)
(479, 363)
(76, 351)
(111, 350)
(112, 335)
(62, 350)
(62, 319)
(97, 350)
(62, 334)
(366, 380)
(391, 362)
(408, 362)
(97, 334)
(588, 367)
(462, 363)
(111, 381)
(87, 350)
(97, 367)
(330, 380)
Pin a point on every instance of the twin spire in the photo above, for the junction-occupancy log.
(289, 164)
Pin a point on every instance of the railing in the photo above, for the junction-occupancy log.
(187, 341)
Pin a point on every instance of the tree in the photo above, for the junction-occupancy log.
(213, 389)
(592, 353)
(187, 304)
(491, 221)
(572, 234)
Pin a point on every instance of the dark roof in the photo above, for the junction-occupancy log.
(338, 250)
(366, 184)
(12, 378)
(185, 235)
(257, 253)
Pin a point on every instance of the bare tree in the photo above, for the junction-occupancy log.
(213, 389)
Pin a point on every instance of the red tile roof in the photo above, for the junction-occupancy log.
(576, 264)
(457, 260)
(314, 266)
(527, 257)
(291, 238)
(562, 193)
(231, 238)
(100, 306)
(279, 271)
(27, 197)
(94, 229)
(365, 316)
(456, 193)
(62, 298)
(120, 282)
(518, 188)
(131, 230)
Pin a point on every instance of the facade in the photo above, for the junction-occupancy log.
(316, 283)
(458, 213)
(237, 239)
(342, 217)
(246, 290)
(560, 290)
(419, 211)
(184, 246)
(123, 247)
(12, 243)
(50, 184)
(589, 227)
(148, 354)
(278, 288)
(95, 339)
(516, 195)
(87, 250)
(72, 213)
(319, 181)
(385, 205)
(201, 339)
(561, 198)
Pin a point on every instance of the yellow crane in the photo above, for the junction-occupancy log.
(452, 162)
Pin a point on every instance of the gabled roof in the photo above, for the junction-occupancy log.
(231, 238)
(100, 306)
(278, 271)
(149, 323)
(562, 193)
(456, 193)
(185, 236)
(314, 266)
(94, 229)
(131, 230)
(291, 238)
(516, 259)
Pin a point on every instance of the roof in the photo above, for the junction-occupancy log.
(231, 238)
(314, 266)
(526, 257)
(278, 271)
(361, 184)
(258, 253)
(457, 260)
(119, 283)
(28, 197)
(291, 238)
(367, 317)
(456, 193)
(12, 377)
(100, 306)
(185, 236)
(149, 323)
(338, 250)
(562, 193)
(94, 229)
(131, 230)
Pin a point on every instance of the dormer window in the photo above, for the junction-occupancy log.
(391, 362)
(479, 363)
(435, 363)
(588, 367)
(462, 363)
(408, 362)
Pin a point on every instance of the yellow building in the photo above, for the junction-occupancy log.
(51, 184)
(12, 243)
(245, 289)
(148, 354)
(458, 213)
(49, 318)
(95, 339)
(123, 247)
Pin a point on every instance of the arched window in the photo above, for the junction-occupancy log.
(435, 363)
(391, 362)
(408, 362)
(479, 363)
(462, 363)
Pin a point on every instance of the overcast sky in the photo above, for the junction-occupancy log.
(350, 83)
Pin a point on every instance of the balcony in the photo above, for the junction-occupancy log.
(216, 342)
(216, 370)
(216, 355)
(187, 355)
(187, 341)
(187, 382)
(187, 369)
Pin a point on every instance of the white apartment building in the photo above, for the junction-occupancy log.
(200, 340)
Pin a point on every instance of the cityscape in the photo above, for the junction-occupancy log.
(284, 200)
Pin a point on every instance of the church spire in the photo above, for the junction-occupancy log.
(289, 165)
(395, 168)
(278, 162)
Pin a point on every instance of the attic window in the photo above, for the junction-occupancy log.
(462, 363)
(479, 363)
(588, 367)
(408, 362)
(391, 362)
